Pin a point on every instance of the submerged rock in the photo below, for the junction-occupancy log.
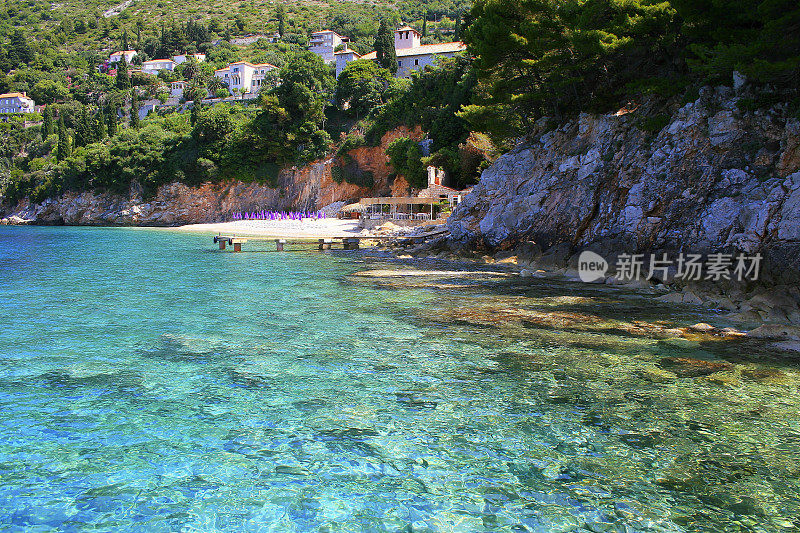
(685, 367)
(657, 375)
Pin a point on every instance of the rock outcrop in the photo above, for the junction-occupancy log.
(714, 178)
(177, 203)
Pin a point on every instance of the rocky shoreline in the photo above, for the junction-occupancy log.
(714, 177)
(767, 310)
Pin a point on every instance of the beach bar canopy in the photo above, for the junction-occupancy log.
(399, 200)
(395, 201)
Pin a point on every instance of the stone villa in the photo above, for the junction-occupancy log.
(324, 43)
(411, 54)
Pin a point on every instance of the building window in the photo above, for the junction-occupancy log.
(399, 63)
(416, 62)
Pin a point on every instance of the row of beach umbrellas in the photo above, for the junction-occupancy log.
(278, 215)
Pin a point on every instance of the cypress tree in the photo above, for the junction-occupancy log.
(457, 36)
(81, 129)
(195, 113)
(281, 14)
(89, 129)
(100, 131)
(384, 47)
(125, 39)
(47, 122)
(113, 117)
(123, 80)
(425, 25)
(134, 113)
(62, 151)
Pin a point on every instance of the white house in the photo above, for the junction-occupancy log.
(127, 54)
(324, 43)
(155, 65)
(183, 58)
(411, 54)
(244, 75)
(16, 103)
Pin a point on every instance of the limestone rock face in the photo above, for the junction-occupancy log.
(714, 178)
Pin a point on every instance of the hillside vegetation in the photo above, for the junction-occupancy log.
(527, 59)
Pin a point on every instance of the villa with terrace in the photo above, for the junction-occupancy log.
(127, 54)
(153, 66)
(16, 103)
(244, 76)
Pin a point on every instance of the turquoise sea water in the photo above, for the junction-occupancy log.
(149, 382)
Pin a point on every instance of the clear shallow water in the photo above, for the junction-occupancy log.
(151, 383)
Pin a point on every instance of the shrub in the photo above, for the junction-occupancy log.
(405, 157)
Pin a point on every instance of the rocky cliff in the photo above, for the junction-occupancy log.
(712, 176)
(307, 188)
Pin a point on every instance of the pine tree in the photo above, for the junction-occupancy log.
(62, 151)
(384, 47)
(19, 51)
(134, 113)
(47, 122)
(123, 80)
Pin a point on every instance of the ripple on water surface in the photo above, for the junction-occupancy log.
(151, 384)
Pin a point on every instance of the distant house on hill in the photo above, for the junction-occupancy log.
(183, 58)
(127, 54)
(324, 43)
(343, 57)
(243, 75)
(176, 88)
(153, 66)
(411, 53)
(16, 103)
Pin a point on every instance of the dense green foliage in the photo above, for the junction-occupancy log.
(405, 156)
(557, 57)
(760, 38)
(432, 99)
(361, 87)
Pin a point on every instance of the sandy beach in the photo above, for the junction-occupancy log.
(294, 229)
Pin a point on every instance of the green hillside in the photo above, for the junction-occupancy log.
(527, 59)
